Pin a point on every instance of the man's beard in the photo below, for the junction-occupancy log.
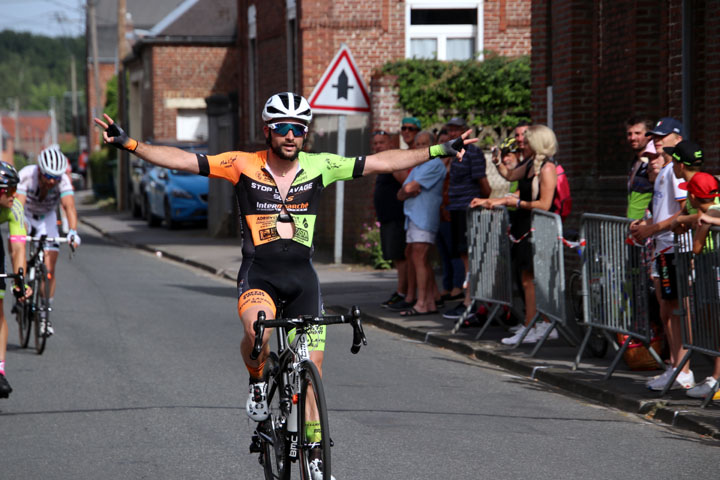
(278, 151)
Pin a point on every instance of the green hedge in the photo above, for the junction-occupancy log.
(102, 172)
(494, 93)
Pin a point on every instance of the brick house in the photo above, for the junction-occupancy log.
(603, 61)
(287, 44)
(141, 16)
(27, 134)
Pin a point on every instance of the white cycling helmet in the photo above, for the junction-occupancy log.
(287, 105)
(52, 162)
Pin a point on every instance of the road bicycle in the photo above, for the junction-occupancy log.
(33, 315)
(295, 395)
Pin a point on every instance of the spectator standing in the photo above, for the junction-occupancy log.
(703, 193)
(467, 181)
(640, 185)
(524, 149)
(541, 141)
(389, 212)
(422, 196)
(409, 129)
(667, 204)
(453, 271)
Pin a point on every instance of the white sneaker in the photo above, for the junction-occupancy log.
(316, 472)
(542, 327)
(515, 328)
(531, 337)
(46, 328)
(256, 406)
(662, 378)
(702, 390)
(684, 381)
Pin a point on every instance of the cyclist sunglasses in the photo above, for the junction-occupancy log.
(8, 190)
(283, 128)
(51, 177)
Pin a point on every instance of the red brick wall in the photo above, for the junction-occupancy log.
(180, 71)
(507, 26)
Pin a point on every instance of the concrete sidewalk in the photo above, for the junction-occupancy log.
(344, 285)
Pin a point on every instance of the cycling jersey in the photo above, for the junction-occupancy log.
(260, 201)
(15, 218)
(30, 187)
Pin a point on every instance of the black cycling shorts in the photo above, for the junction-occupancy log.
(287, 275)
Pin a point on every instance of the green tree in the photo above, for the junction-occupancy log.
(493, 94)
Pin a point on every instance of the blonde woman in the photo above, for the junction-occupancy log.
(537, 179)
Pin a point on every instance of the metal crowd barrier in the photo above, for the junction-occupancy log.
(615, 285)
(549, 273)
(698, 279)
(490, 278)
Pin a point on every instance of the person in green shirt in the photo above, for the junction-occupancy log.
(11, 212)
(641, 178)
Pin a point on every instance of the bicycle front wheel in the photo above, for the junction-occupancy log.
(314, 432)
(22, 315)
(41, 313)
(273, 431)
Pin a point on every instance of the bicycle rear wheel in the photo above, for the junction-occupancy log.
(273, 432)
(312, 409)
(42, 307)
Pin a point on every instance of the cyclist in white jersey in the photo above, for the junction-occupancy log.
(41, 189)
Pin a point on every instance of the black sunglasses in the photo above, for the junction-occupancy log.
(405, 128)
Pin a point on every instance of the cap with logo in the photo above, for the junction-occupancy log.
(702, 185)
(665, 126)
(509, 145)
(412, 121)
(686, 152)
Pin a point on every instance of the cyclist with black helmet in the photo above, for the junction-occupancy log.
(277, 191)
(42, 188)
(11, 212)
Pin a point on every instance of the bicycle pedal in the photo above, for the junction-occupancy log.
(255, 446)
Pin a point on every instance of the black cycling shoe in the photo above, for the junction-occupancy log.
(5, 388)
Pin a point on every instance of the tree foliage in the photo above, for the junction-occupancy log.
(35, 68)
(494, 93)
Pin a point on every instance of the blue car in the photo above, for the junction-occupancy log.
(175, 197)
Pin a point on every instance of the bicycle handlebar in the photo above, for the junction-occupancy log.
(46, 239)
(303, 321)
(19, 281)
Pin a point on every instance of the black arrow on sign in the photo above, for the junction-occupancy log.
(342, 85)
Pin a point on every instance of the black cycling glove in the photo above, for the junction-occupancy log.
(122, 140)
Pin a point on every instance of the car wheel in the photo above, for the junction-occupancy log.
(151, 219)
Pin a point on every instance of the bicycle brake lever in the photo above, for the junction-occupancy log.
(259, 332)
(359, 338)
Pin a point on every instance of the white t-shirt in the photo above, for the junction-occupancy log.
(30, 187)
(666, 203)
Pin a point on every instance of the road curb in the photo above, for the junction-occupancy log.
(656, 410)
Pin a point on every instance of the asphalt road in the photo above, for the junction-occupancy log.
(143, 379)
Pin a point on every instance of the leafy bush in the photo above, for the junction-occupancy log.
(494, 93)
(369, 248)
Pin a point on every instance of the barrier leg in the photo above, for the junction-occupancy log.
(584, 343)
(490, 317)
(710, 396)
(656, 357)
(463, 317)
(527, 330)
(677, 371)
(540, 342)
(617, 358)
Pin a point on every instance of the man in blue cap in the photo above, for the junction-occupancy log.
(667, 204)
(409, 128)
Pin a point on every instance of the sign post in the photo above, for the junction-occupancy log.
(340, 91)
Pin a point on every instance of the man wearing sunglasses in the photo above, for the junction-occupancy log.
(42, 188)
(278, 192)
(12, 213)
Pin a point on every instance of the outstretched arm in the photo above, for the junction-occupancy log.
(393, 160)
(169, 157)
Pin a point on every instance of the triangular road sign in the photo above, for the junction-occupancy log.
(341, 89)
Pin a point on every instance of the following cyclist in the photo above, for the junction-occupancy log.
(41, 189)
(278, 192)
(12, 213)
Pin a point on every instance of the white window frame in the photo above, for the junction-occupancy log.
(252, 70)
(442, 33)
(292, 42)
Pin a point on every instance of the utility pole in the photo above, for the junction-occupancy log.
(73, 86)
(96, 67)
(53, 123)
(122, 166)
